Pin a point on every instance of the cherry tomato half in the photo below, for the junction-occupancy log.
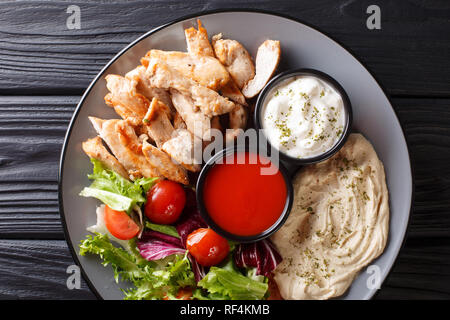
(120, 224)
(165, 201)
(207, 247)
(183, 294)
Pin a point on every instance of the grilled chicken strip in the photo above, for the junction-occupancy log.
(185, 149)
(237, 122)
(232, 92)
(95, 149)
(197, 41)
(205, 70)
(238, 117)
(196, 122)
(124, 99)
(215, 123)
(124, 144)
(235, 58)
(158, 123)
(143, 86)
(165, 164)
(198, 44)
(178, 122)
(128, 138)
(208, 101)
(267, 59)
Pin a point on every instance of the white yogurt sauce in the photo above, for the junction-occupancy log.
(303, 117)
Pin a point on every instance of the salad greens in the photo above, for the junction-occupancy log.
(115, 191)
(166, 229)
(163, 279)
(151, 280)
(228, 283)
(158, 265)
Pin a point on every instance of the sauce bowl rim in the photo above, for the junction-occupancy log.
(213, 225)
(327, 79)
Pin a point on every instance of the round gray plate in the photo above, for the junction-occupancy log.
(302, 46)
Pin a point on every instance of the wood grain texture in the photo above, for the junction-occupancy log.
(37, 270)
(32, 131)
(39, 55)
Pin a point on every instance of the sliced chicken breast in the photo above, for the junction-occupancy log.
(185, 149)
(131, 142)
(196, 122)
(157, 122)
(237, 122)
(238, 117)
(235, 58)
(95, 149)
(267, 59)
(143, 86)
(124, 98)
(165, 165)
(208, 101)
(232, 92)
(215, 123)
(178, 122)
(205, 70)
(124, 144)
(197, 41)
(197, 47)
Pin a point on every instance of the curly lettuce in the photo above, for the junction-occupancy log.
(115, 191)
(160, 279)
(228, 283)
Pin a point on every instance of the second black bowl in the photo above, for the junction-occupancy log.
(204, 212)
(260, 103)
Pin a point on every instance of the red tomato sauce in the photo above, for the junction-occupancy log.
(240, 199)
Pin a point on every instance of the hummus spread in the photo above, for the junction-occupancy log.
(338, 223)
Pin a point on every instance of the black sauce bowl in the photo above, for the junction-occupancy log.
(260, 104)
(204, 212)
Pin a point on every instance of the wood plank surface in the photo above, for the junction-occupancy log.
(40, 55)
(420, 272)
(37, 270)
(32, 131)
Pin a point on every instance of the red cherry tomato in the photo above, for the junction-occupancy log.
(120, 224)
(207, 247)
(183, 294)
(165, 201)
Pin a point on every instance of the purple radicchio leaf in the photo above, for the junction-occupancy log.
(156, 245)
(199, 270)
(189, 222)
(261, 255)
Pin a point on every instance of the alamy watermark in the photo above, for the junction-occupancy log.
(373, 282)
(74, 280)
(74, 20)
(374, 20)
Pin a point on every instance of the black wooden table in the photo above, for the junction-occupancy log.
(45, 67)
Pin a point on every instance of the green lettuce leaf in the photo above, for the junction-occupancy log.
(125, 264)
(115, 191)
(164, 282)
(113, 200)
(166, 229)
(227, 283)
